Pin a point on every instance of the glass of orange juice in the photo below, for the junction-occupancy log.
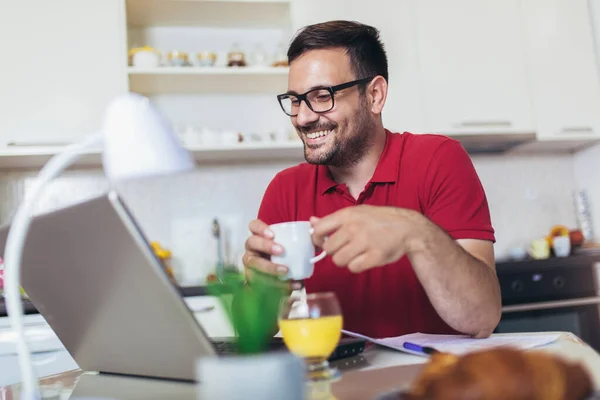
(311, 326)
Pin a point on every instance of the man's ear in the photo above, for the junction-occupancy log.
(377, 91)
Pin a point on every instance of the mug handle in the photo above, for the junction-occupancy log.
(319, 257)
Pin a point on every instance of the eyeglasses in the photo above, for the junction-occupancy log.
(319, 100)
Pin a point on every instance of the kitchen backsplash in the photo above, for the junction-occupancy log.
(587, 168)
(527, 195)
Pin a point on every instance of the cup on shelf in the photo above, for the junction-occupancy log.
(177, 58)
(221, 60)
(254, 137)
(192, 136)
(144, 57)
(209, 137)
(206, 58)
(229, 137)
(280, 57)
(259, 56)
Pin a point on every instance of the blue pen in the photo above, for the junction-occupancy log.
(419, 349)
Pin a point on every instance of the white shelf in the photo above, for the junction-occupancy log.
(215, 13)
(160, 80)
(227, 71)
(266, 152)
(239, 1)
(34, 157)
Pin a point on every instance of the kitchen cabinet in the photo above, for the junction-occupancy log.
(198, 96)
(461, 67)
(62, 62)
(402, 111)
(559, 48)
(66, 59)
(212, 26)
(472, 67)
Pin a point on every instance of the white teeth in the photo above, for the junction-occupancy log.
(314, 135)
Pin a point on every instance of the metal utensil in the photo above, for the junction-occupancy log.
(216, 231)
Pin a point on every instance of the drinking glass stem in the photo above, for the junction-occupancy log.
(319, 370)
(317, 364)
(320, 391)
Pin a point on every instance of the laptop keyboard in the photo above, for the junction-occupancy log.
(226, 347)
(342, 351)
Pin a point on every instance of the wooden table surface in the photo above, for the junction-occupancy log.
(378, 370)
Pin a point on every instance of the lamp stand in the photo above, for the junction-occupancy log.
(14, 253)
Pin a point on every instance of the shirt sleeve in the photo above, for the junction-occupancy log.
(454, 196)
(272, 207)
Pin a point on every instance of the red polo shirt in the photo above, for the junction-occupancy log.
(431, 174)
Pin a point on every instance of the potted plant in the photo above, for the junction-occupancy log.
(252, 308)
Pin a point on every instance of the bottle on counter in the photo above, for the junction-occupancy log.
(583, 214)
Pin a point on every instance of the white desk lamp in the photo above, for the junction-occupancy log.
(137, 142)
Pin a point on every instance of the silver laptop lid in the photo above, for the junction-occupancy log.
(90, 272)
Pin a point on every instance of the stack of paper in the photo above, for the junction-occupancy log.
(40, 340)
(460, 344)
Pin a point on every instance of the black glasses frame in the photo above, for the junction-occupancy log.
(330, 89)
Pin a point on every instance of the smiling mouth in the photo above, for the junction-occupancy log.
(318, 134)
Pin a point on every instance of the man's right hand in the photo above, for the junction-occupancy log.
(260, 246)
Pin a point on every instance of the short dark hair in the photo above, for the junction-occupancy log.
(362, 43)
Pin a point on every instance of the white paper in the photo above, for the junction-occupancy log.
(40, 340)
(460, 344)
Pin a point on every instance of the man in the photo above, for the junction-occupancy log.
(409, 237)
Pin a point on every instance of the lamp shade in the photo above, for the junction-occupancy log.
(138, 142)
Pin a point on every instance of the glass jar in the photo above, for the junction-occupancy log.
(236, 57)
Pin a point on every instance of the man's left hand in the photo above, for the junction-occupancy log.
(363, 237)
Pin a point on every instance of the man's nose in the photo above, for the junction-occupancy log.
(305, 115)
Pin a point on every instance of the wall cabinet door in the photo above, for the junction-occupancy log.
(559, 41)
(472, 66)
(403, 110)
(62, 61)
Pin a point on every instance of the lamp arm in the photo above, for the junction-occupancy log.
(14, 251)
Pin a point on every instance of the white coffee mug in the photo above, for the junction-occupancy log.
(298, 249)
(562, 246)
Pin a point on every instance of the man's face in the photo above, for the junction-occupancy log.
(339, 137)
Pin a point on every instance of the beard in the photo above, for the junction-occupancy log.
(342, 153)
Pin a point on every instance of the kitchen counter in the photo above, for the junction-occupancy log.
(29, 308)
(579, 259)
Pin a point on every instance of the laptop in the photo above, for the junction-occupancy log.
(91, 273)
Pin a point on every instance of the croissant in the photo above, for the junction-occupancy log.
(500, 374)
